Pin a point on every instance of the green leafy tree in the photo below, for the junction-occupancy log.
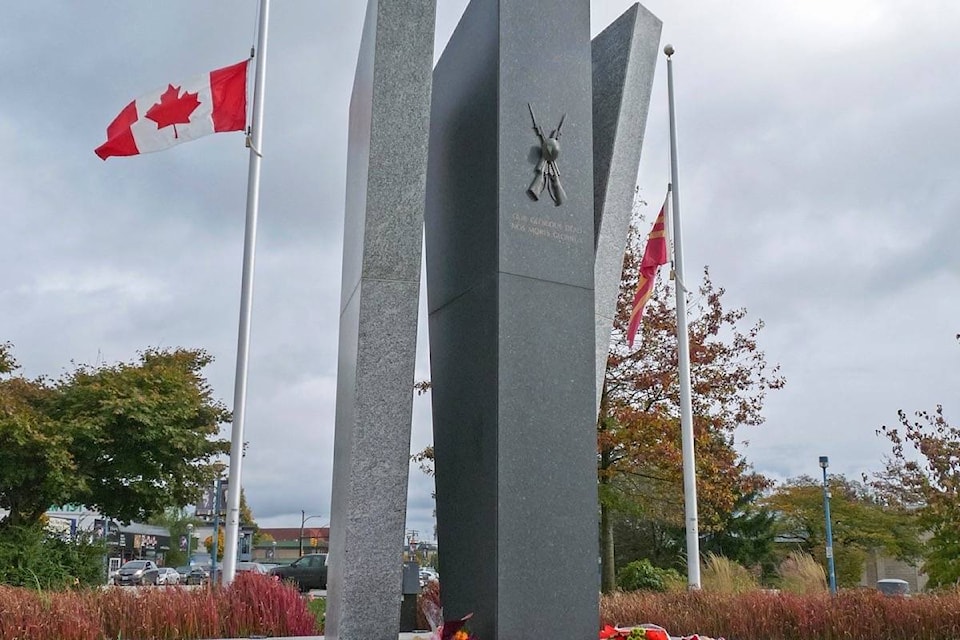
(128, 440)
(37, 467)
(639, 459)
(861, 523)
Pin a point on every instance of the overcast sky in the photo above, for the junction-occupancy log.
(819, 175)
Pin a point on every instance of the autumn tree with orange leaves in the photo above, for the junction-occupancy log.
(639, 456)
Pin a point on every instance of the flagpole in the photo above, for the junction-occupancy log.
(254, 140)
(683, 353)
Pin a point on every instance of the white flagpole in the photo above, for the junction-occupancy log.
(683, 353)
(246, 298)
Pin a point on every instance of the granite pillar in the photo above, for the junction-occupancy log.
(383, 225)
(510, 295)
(624, 61)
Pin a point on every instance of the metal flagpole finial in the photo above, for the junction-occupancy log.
(668, 50)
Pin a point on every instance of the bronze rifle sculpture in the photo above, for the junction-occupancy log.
(548, 174)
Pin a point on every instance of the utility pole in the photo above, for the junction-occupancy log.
(824, 463)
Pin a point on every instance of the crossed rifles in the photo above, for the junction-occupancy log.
(548, 174)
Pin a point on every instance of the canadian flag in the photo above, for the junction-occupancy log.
(208, 103)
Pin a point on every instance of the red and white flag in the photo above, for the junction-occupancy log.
(654, 255)
(208, 103)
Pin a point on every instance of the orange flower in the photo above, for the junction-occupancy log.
(461, 635)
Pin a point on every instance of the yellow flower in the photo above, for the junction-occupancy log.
(461, 635)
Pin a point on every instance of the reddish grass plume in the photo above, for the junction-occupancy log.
(252, 605)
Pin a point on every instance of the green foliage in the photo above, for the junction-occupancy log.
(128, 440)
(641, 575)
(318, 607)
(35, 558)
(861, 522)
(746, 537)
(175, 520)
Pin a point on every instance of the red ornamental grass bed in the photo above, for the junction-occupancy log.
(852, 615)
(252, 605)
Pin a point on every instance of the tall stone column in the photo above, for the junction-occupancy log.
(624, 61)
(510, 293)
(383, 225)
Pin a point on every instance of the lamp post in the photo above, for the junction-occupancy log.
(824, 463)
(303, 520)
(189, 540)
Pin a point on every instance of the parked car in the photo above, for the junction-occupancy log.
(427, 574)
(893, 587)
(161, 576)
(251, 567)
(184, 571)
(131, 573)
(200, 574)
(308, 572)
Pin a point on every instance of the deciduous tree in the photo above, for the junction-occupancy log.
(923, 474)
(638, 430)
(128, 440)
(861, 523)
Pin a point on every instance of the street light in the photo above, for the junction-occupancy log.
(824, 463)
(303, 520)
(189, 539)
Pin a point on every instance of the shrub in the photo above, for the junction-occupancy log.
(252, 605)
(32, 557)
(723, 575)
(762, 615)
(641, 575)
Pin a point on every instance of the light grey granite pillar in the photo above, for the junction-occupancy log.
(383, 226)
(624, 61)
(510, 295)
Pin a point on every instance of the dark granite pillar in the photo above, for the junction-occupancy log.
(510, 290)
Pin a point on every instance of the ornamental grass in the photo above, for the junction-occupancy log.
(764, 615)
(252, 605)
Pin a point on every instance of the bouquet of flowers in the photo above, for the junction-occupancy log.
(642, 632)
(446, 629)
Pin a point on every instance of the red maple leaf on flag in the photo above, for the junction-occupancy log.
(173, 109)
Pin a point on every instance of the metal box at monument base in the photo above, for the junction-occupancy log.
(510, 268)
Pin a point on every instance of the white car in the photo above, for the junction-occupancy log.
(161, 575)
(427, 575)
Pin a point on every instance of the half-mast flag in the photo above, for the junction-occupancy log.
(208, 103)
(654, 255)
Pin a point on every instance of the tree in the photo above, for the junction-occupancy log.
(639, 444)
(861, 523)
(128, 440)
(37, 467)
(923, 474)
(208, 543)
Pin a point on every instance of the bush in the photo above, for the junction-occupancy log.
(32, 557)
(252, 605)
(641, 575)
(762, 615)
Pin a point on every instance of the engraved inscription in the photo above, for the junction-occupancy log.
(541, 227)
